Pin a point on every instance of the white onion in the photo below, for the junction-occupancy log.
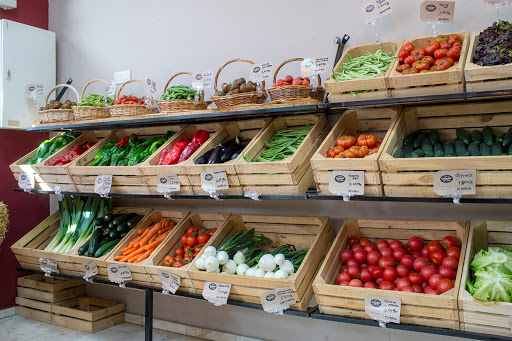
(200, 264)
(203, 256)
(223, 257)
(210, 251)
(229, 267)
(250, 272)
(211, 264)
(269, 274)
(281, 274)
(241, 269)
(239, 258)
(279, 259)
(259, 273)
(267, 263)
(287, 266)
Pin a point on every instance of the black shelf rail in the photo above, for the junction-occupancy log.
(312, 312)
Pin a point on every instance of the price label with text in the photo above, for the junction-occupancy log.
(34, 90)
(170, 281)
(150, 88)
(214, 180)
(313, 66)
(102, 184)
(277, 300)
(455, 182)
(260, 72)
(91, 269)
(26, 181)
(383, 309)
(202, 79)
(167, 183)
(111, 89)
(48, 265)
(375, 9)
(216, 293)
(437, 11)
(119, 273)
(346, 183)
(494, 2)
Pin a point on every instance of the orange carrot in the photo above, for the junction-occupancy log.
(150, 234)
(134, 253)
(168, 228)
(141, 230)
(145, 255)
(133, 259)
(144, 234)
(127, 252)
(152, 239)
(118, 257)
(162, 236)
(152, 245)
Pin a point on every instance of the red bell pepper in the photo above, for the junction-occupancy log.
(124, 141)
(175, 153)
(189, 150)
(163, 155)
(200, 137)
(187, 140)
(89, 145)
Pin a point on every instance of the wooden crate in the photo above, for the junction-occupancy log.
(339, 91)
(483, 316)
(290, 176)
(449, 81)
(427, 310)
(125, 179)
(156, 261)
(413, 177)
(244, 130)
(485, 78)
(150, 168)
(313, 233)
(139, 274)
(87, 314)
(354, 122)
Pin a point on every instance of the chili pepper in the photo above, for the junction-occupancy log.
(99, 155)
(89, 145)
(107, 156)
(174, 154)
(123, 141)
(163, 155)
(189, 150)
(119, 156)
(200, 137)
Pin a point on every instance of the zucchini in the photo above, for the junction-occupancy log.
(463, 135)
(474, 149)
(433, 136)
(111, 226)
(439, 153)
(134, 221)
(398, 154)
(426, 146)
(408, 149)
(94, 241)
(449, 148)
(123, 234)
(419, 140)
(496, 149)
(103, 241)
(507, 140)
(107, 251)
(86, 254)
(114, 234)
(98, 222)
(411, 137)
(125, 217)
(83, 249)
(476, 136)
(485, 150)
(103, 249)
(460, 149)
(122, 228)
(488, 135)
(108, 217)
(438, 146)
(418, 153)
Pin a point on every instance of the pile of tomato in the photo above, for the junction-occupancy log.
(414, 267)
(439, 55)
(192, 243)
(348, 146)
(129, 100)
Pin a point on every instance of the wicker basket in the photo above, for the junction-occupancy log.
(287, 93)
(130, 109)
(171, 105)
(252, 97)
(90, 112)
(58, 115)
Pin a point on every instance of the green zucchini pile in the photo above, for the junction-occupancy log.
(109, 231)
(477, 143)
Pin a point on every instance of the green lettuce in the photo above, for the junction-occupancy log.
(498, 258)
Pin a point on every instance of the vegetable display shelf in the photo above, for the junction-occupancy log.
(484, 316)
(421, 309)
(413, 177)
(378, 122)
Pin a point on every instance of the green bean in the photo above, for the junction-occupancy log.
(367, 66)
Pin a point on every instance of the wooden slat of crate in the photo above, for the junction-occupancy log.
(414, 177)
(378, 122)
(447, 81)
(51, 297)
(439, 311)
(129, 184)
(316, 236)
(48, 284)
(34, 314)
(338, 89)
(156, 261)
(483, 316)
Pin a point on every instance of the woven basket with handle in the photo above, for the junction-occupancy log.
(58, 115)
(118, 110)
(285, 93)
(252, 97)
(90, 112)
(181, 104)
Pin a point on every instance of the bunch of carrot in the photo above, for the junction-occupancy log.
(148, 240)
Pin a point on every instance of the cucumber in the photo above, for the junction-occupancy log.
(103, 249)
(463, 135)
(83, 249)
(408, 149)
(439, 153)
(449, 148)
(510, 150)
(460, 149)
(125, 217)
(123, 228)
(411, 137)
(398, 154)
(507, 140)
(98, 222)
(500, 138)
(93, 246)
(488, 135)
(419, 140)
(418, 153)
(426, 146)
(496, 149)
(433, 136)
(134, 221)
(474, 149)
(476, 137)
(485, 150)
(438, 146)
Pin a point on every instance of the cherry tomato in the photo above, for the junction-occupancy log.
(402, 54)
(415, 243)
(179, 252)
(453, 251)
(364, 265)
(454, 39)
(420, 263)
(212, 231)
(360, 256)
(440, 53)
(342, 277)
(365, 275)
(434, 245)
(186, 248)
(357, 247)
(448, 241)
(424, 253)
(386, 251)
(364, 241)
(373, 257)
(353, 271)
(390, 274)
(355, 283)
(387, 285)
(415, 254)
(343, 268)
(184, 239)
(431, 48)
(402, 271)
(453, 53)
(410, 71)
(382, 243)
(370, 247)
(447, 272)
(353, 241)
(398, 254)
(409, 60)
(432, 292)
(203, 238)
(352, 262)
(346, 141)
(451, 262)
(440, 38)
(444, 285)
(187, 258)
(408, 47)
(428, 59)
(415, 278)
(402, 283)
(345, 255)
(427, 272)
(377, 272)
(168, 260)
(343, 284)
(370, 285)
(197, 249)
(445, 45)
(420, 66)
(401, 68)
(396, 244)
(191, 230)
(386, 262)
(192, 241)
(433, 281)
(437, 257)
(407, 260)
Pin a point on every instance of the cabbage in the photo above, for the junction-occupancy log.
(491, 285)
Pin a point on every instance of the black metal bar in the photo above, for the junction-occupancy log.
(148, 316)
(63, 91)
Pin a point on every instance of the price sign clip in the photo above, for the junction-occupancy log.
(252, 195)
(49, 266)
(214, 180)
(277, 300)
(216, 293)
(455, 183)
(383, 309)
(346, 183)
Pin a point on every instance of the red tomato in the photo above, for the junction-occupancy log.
(457, 45)
(343, 277)
(353, 271)
(355, 283)
(366, 140)
(382, 243)
(179, 252)
(386, 252)
(352, 262)
(387, 261)
(370, 247)
(366, 275)
(212, 231)
(420, 66)
(420, 263)
(364, 241)
(345, 255)
(445, 45)
(184, 239)
(191, 230)
(448, 241)
(416, 278)
(415, 243)
(364, 265)
(390, 274)
(373, 257)
(402, 54)
(416, 254)
(343, 268)
(407, 260)
(440, 53)
(431, 48)
(387, 285)
(396, 244)
(203, 238)
(434, 245)
(417, 289)
(409, 60)
(438, 68)
(432, 292)
(344, 284)
(451, 262)
(433, 281)
(377, 272)
(428, 59)
(370, 284)
(454, 53)
(197, 249)
(437, 257)
(447, 272)
(427, 272)
(398, 254)
(453, 251)
(444, 285)
(178, 264)
(424, 253)
(408, 47)
(288, 79)
(353, 241)
(357, 247)
(402, 271)
(418, 54)
(360, 256)
(401, 68)
(346, 141)
(402, 283)
(454, 39)
(191, 241)
(441, 38)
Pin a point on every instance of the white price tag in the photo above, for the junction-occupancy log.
(216, 293)
(495, 2)
(346, 183)
(313, 66)
(102, 185)
(91, 269)
(383, 309)
(150, 88)
(202, 79)
(455, 183)
(277, 300)
(437, 11)
(48, 266)
(375, 9)
(34, 90)
(119, 273)
(170, 281)
(167, 183)
(260, 72)
(26, 181)
(214, 180)
(111, 89)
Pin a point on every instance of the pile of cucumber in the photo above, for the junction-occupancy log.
(477, 143)
(109, 231)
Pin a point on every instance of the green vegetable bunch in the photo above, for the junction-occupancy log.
(367, 66)
(94, 100)
(179, 92)
(49, 147)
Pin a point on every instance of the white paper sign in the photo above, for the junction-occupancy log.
(91, 269)
(111, 89)
(260, 72)
(170, 281)
(455, 182)
(26, 181)
(102, 184)
(167, 183)
(119, 273)
(216, 293)
(437, 11)
(48, 266)
(346, 183)
(383, 309)
(494, 2)
(202, 79)
(313, 66)
(375, 9)
(214, 180)
(277, 300)
(34, 90)
(150, 88)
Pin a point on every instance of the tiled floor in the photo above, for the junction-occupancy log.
(16, 328)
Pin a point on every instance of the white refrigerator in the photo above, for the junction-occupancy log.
(27, 56)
